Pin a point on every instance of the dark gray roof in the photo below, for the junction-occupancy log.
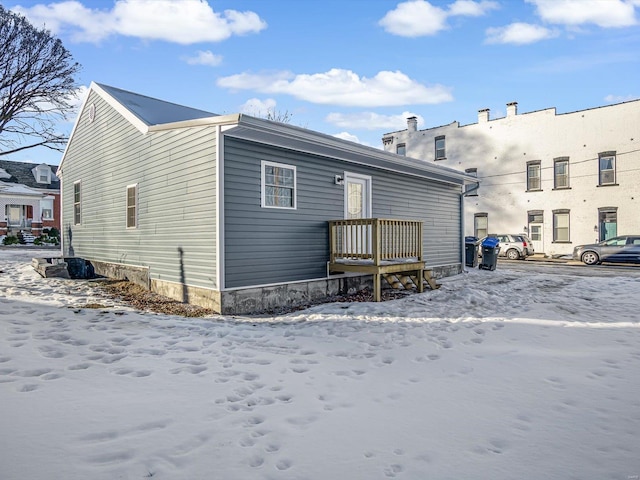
(153, 111)
(21, 174)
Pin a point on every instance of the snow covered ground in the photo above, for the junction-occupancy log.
(497, 375)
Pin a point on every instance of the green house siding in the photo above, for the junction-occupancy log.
(266, 246)
(175, 171)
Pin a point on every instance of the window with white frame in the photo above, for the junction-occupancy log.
(77, 203)
(607, 168)
(132, 206)
(440, 148)
(561, 226)
(401, 149)
(42, 174)
(278, 185)
(480, 225)
(533, 176)
(561, 172)
(46, 209)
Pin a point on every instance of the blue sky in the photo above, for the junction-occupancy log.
(353, 68)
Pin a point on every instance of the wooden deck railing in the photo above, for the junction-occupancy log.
(375, 239)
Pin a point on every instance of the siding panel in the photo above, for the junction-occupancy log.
(266, 246)
(176, 175)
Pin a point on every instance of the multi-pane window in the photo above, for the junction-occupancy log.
(607, 168)
(278, 185)
(440, 148)
(480, 225)
(132, 206)
(561, 172)
(77, 205)
(401, 149)
(561, 225)
(46, 209)
(533, 175)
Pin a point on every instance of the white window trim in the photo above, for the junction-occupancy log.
(79, 203)
(263, 200)
(136, 206)
(43, 209)
(40, 170)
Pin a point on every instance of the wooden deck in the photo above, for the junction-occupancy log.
(377, 246)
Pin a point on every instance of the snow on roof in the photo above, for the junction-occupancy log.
(153, 111)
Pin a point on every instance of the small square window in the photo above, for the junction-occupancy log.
(401, 149)
(278, 185)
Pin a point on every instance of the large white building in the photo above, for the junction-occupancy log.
(564, 179)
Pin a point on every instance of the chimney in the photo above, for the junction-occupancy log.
(412, 124)
(512, 109)
(483, 115)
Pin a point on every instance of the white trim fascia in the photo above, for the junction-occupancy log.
(231, 119)
(62, 242)
(220, 247)
(121, 109)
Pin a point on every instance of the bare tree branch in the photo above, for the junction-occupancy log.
(37, 85)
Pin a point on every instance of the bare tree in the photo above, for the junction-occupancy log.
(37, 85)
(278, 116)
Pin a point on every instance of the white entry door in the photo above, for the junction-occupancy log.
(357, 192)
(357, 204)
(535, 234)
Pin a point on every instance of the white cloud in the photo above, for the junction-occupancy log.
(417, 18)
(371, 120)
(604, 13)
(353, 138)
(519, 34)
(619, 98)
(179, 21)
(342, 87)
(470, 8)
(257, 107)
(205, 57)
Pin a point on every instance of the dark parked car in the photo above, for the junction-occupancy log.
(623, 249)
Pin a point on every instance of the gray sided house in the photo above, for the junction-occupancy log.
(234, 212)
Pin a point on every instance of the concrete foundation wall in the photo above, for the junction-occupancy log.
(252, 300)
(117, 271)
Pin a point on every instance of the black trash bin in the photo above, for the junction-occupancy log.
(471, 251)
(490, 250)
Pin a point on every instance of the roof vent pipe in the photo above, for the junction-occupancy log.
(412, 124)
(512, 109)
(483, 115)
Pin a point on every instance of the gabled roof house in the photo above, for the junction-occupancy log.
(29, 197)
(242, 214)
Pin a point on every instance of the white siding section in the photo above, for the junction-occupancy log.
(175, 171)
